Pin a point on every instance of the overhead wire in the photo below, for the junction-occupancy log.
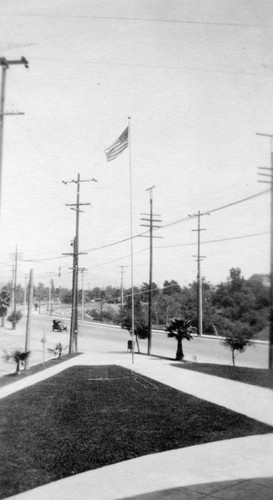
(222, 207)
(140, 19)
(184, 219)
(154, 66)
(178, 221)
(215, 241)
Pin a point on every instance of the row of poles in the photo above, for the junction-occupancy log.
(5, 65)
(73, 339)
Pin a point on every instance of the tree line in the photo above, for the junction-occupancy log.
(237, 304)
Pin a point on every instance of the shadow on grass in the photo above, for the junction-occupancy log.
(157, 356)
(129, 353)
(260, 488)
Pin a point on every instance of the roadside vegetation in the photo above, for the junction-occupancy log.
(233, 304)
(88, 417)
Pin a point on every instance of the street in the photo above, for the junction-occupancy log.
(101, 338)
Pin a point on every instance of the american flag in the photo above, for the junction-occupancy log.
(119, 145)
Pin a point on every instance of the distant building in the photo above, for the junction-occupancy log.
(261, 278)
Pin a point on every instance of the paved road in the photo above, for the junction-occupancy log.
(96, 337)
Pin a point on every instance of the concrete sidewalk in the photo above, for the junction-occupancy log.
(194, 469)
(214, 470)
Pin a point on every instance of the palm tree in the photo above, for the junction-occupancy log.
(18, 357)
(180, 329)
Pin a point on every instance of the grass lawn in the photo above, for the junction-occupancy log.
(87, 417)
(254, 376)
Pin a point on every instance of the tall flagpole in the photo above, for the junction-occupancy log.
(131, 234)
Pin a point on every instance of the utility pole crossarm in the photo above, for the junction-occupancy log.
(5, 63)
(13, 113)
(153, 220)
(148, 225)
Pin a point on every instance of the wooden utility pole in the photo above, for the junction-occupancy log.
(74, 313)
(74, 316)
(199, 279)
(121, 286)
(5, 65)
(25, 292)
(122, 293)
(15, 285)
(29, 311)
(151, 226)
(49, 295)
(269, 175)
(12, 288)
(82, 269)
(72, 322)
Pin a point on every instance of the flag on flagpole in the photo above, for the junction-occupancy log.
(119, 145)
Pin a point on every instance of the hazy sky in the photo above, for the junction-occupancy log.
(195, 76)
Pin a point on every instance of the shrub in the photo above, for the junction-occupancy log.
(15, 318)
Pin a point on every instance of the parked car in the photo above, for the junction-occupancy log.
(58, 326)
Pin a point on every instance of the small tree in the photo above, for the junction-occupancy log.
(237, 340)
(140, 329)
(15, 317)
(4, 304)
(180, 329)
(140, 319)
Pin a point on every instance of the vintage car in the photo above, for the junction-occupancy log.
(58, 326)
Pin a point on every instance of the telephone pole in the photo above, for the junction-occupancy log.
(14, 287)
(151, 226)
(199, 278)
(269, 175)
(5, 65)
(29, 312)
(122, 291)
(121, 285)
(82, 269)
(73, 344)
(72, 322)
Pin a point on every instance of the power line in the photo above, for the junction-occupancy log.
(178, 221)
(216, 241)
(142, 19)
(184, 219)
(44, 259)
(178, 245)
(154, 66)
(236, 202)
